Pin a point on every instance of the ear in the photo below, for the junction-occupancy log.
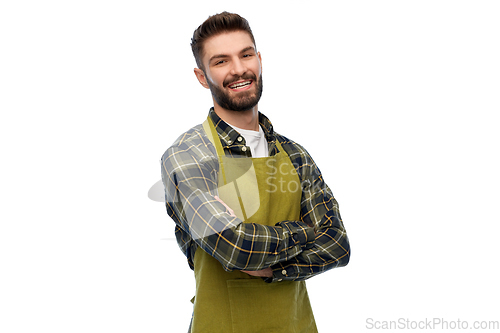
(200, 75)
(260, 59)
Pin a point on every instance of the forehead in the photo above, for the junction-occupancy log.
(228, 43)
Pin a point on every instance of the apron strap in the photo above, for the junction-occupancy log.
(280, 148)
(209, 128)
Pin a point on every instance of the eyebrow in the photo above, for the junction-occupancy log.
(218, 56)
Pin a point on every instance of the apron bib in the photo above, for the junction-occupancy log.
(259, 190)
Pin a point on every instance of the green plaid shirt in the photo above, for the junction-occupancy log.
(295, 250)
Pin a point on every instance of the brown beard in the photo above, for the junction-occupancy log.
(242, 103)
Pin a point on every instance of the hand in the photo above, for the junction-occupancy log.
(266, 272)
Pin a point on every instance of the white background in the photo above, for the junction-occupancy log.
(397, 101)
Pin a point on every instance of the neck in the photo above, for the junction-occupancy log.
(248, 120)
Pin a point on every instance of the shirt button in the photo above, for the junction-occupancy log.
(283, 272)
(244, 148)
(240, 139)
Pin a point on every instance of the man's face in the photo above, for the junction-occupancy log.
(233, 71)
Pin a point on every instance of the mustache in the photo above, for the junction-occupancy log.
(243, 77)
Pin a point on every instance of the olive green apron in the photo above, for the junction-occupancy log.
(259, 190)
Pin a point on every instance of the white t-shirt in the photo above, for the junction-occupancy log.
(255, 140)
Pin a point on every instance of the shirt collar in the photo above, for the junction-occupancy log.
(229, 135)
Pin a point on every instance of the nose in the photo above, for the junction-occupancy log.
(238, 68)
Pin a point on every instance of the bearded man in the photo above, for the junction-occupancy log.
(252, 213)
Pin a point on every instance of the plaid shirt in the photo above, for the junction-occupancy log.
(295, 250)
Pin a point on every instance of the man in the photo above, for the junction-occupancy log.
(253, 215)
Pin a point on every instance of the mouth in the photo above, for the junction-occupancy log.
(240, 85)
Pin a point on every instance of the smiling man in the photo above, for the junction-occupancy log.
(252, 213)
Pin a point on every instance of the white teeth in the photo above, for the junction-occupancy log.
(239, 85)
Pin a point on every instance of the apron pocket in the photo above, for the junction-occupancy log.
(257, 306)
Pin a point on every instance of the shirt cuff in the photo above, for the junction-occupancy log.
(280, 274)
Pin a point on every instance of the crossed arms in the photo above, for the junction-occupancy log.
(292, 250)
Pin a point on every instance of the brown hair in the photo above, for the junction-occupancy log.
(215, 25)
